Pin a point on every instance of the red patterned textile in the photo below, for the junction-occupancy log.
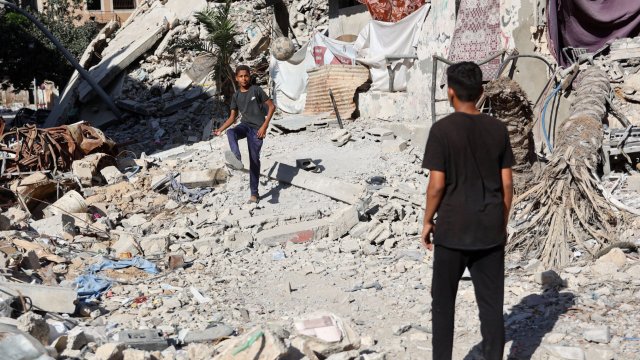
(392, 10)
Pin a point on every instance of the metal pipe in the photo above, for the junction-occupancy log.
(84, 73)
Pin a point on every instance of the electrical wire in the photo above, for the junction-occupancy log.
(545, 133)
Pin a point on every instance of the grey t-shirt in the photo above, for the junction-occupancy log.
(251, 105)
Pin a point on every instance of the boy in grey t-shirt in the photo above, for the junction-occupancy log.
(257, 110)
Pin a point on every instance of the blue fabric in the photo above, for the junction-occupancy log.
(255, 144)
(137, 261)
(90, 286)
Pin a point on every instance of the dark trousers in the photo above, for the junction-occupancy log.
(487, 274)
(242, 131)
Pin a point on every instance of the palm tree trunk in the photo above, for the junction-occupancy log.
(564, 207)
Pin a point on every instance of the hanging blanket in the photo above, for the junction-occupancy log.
(590, 24)
(379, 39)
(477, 34)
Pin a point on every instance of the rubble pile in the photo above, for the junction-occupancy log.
(157, 80)
(145, 248)
(159, 257)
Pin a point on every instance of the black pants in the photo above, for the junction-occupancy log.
(487, 274)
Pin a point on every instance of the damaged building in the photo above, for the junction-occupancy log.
(123, 235)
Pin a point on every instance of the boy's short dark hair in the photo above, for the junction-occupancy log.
(243, 67)
(465, 78)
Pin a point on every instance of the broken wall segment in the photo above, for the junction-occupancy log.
(128, 45)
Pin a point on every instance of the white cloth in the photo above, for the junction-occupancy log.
(290, 77)
(379, 39)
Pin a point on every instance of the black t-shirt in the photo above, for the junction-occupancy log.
(251, 105)
(471, 150)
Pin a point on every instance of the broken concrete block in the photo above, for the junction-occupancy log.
(110, 351)
(296, 233)
(149, 340)
(548, 278)
(34, 325)
(86, 168)
(394, 146)
(565, 352)
(201, 67)
(350, 245)
(211, 334)
(112, 175)
(380, 134)
(55, 226)
(203, 178)
(239, 241)
(134, 354)
(269, 346)
(46, 298)
(125, 244)
(600, 334)
(342, 221)
(154, 245)
(324, 334)
(615, 256)
(76, 338)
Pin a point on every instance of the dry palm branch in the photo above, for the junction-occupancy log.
(563, 206)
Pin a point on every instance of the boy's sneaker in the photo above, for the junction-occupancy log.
(232, 161)
(253, 200)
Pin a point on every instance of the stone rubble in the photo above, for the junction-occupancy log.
(326, 266)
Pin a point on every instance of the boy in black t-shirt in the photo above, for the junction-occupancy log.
(257, 110)
(470, 187)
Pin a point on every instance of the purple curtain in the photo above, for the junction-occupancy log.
(590, 23)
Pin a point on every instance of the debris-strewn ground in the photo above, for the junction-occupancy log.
(376, 277)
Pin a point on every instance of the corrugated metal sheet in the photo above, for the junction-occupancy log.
(343, 80)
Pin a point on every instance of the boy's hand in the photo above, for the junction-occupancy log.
(262, 132)
(425, 238)
(216, 132)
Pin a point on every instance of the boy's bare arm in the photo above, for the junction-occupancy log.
(262, 132)
(507, 192)
(229, 122)
(435, 193)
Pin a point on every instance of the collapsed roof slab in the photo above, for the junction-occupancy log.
(128, 45)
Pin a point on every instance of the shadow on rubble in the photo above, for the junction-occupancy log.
(528, 323)
(156, 114)
(274, 193)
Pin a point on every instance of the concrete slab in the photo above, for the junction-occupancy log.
(184, 9)
(333, 188)
(48, 298)
(128, 45)
(296, 233)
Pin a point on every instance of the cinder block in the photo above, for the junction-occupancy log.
(112, 175)
(203, 178)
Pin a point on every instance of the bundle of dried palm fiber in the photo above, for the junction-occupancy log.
(565, 208)
(509, 103)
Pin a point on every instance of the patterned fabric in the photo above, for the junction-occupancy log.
(477, 34)
(392, 10)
